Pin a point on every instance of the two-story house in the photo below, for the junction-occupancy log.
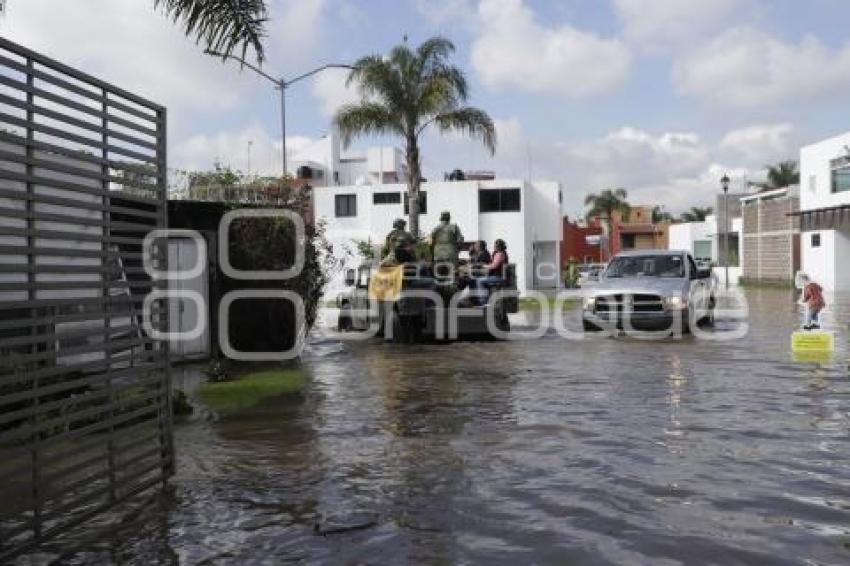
(825, 211)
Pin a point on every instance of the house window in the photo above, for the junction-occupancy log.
(840, 174)
(345, 206)
(386, 198)
(423, 203)
(815, 240)
(499, 200)
(627, 241)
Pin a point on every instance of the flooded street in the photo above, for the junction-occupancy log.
(545, 451)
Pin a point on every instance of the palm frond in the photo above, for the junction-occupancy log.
(473, 121)
(365, 118)
(224, 26)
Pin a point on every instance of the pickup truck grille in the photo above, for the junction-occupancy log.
(625, 302)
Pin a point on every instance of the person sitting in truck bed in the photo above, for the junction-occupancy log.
(494, 272)
(479, 253)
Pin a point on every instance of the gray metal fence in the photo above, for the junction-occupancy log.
(85, 420)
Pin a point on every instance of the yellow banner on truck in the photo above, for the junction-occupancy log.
(385, 284)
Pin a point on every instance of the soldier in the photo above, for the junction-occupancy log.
(573, 274)
(446, 240)
(400, 245)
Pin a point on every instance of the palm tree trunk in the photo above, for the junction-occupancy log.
(414, 180)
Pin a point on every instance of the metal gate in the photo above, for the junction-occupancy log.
(85, 419)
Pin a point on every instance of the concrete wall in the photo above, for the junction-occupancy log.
(771, 240)
(826, 263)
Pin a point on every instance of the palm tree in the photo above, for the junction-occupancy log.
(660, 215)
(696, 214)
(224, 25)
(783, 174)
(605, 205)
(405, 93)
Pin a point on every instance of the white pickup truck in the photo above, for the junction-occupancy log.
(651, 290)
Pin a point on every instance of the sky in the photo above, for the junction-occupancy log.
(660, 97)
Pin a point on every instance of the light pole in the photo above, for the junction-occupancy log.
(724, 182)
(281, 84)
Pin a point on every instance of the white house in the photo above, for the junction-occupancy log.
(825, 211)
(703, 240)
(324, 163)
(527, 215)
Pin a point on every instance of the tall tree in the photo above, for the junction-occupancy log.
(783, 174)
(660, 215)
(223, 26)
(605, 205)
(696, 214)
(403, 94)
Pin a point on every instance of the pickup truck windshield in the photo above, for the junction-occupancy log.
(670, 266)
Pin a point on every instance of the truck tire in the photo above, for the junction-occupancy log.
(503, 323)
(397, 329)
(343, 323)
(588, 326)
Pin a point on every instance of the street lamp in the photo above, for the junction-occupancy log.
(281, 84)
(724, 182)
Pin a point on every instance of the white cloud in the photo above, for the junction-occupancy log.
(128, 43)
(749, 68)
(761, 142)
(656, 23)
(232, 148)
(514, 51)
(678, 194)
(329, 88)
(630, 156)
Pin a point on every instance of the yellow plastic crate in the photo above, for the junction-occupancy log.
(820, 341)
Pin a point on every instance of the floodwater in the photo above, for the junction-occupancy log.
(546, 451)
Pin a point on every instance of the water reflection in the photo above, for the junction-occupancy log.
(609, 451)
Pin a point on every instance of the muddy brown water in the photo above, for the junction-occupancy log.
(545, 451)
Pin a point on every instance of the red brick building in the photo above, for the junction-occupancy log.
(574, 243)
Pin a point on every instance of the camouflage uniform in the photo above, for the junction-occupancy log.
(400, 244)
(446, 240)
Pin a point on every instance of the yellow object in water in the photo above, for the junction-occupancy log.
(385, 284)
(812, 341)
(814, 346)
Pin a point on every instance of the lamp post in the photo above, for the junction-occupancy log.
(281, 84)
(724, 182)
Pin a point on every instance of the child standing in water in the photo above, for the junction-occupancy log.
(812, 301)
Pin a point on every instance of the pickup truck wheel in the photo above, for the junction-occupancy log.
(343, 323)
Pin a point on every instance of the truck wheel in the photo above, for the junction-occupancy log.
(396, 328)
(503, 323)
(589, 326)
(343, 323)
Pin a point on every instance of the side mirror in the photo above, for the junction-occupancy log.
(350, 277)
(703, 273)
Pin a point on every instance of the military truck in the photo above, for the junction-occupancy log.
(411, 302)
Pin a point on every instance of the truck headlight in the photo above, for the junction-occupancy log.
(675, 303)
(589, 303)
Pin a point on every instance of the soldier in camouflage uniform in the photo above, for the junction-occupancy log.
(400, 245)
(446, 240)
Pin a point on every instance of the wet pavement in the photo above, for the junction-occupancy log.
(545, 451)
